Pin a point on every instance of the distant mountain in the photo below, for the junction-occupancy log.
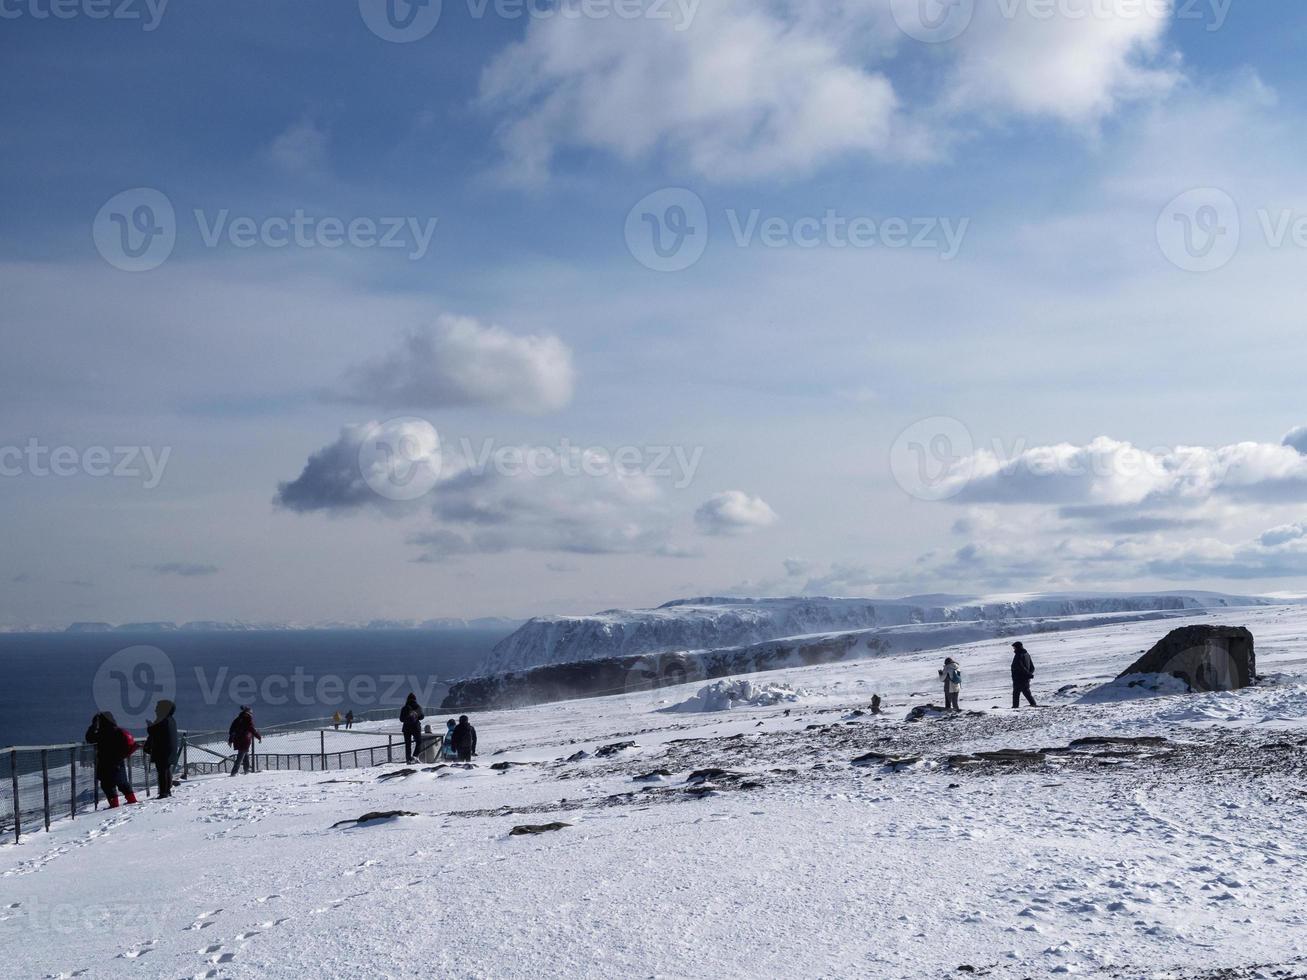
(489, 623)
(714, 623)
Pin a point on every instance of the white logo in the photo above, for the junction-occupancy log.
(932, 459)
(400, 458)
(136, 230)
(130, 682)
(667, 231)
(401, 21)
(933, 21)
(1199, 231)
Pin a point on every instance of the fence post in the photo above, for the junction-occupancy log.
(45, 785)
(186, 759)
(322, 747)
(13, 766)
(72, 783)
(390, 739)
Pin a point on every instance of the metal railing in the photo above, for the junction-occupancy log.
(51, 782)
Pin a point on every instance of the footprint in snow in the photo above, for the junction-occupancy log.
(139, 950)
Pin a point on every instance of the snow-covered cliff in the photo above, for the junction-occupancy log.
(713, 623)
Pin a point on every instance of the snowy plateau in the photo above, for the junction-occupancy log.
(1161, 835)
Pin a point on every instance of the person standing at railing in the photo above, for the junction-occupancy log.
(410, 717)
(447, 750)
(349, 719)
(336, 719)
(113, 745)
(465, 739)
(161, 744)
(241, 736)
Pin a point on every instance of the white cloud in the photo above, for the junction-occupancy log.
(749, 89)
(1111, 473)
(1075, 61)
(301, 149)
(733, 512)
(460, 361)
(1297, 439)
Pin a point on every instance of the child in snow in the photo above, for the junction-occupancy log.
(951, 675)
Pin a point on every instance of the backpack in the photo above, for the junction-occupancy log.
(129, 743)
(955, 674)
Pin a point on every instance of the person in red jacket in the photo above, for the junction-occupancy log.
(112, 747)
(241, 736)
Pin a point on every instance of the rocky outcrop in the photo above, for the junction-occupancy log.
(631, 675)
(1207, 658)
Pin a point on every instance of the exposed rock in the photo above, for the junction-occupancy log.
(505, 766)
(1119, 740)
(657, 776)
(1207, 658)
(372, 817)
(605, 751)
(544, 828)
(578, 756)
(397, 774)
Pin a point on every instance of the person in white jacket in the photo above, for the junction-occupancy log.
(951, 675)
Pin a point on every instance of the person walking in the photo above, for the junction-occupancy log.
(410, 717)
(465, 739)
(241, 736)
(161, 744)
(447, 750)
(1023, 672)
(951, 675)
(113, 746)
(349, 719)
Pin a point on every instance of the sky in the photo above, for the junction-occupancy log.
(376, 309)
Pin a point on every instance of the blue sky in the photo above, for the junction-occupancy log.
(948, 399)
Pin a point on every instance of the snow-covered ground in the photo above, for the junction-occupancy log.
(1174, 858)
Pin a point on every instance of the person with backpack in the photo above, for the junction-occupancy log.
(410, 717)
(951, 675)
(1023, 672)
(465, 739)
(447, 750)
(113, 747)
(241, 736)
(161, 744)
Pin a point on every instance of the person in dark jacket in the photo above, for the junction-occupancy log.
(161, 744)
(349, 719)
(241, 736)
(1023, 671)
(111, 754)
(410, 717)
(465, 739)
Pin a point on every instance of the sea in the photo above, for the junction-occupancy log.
(53, 683)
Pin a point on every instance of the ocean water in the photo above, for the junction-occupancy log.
(54, 682)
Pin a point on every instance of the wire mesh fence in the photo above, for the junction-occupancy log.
(45, 783)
